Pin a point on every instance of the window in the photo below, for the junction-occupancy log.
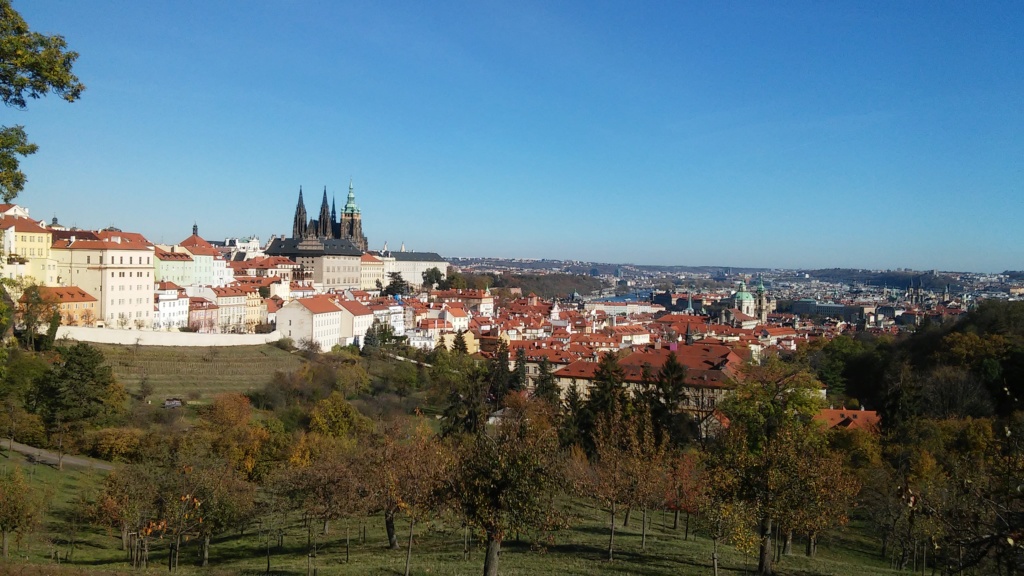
(88, 259)
(122, 259)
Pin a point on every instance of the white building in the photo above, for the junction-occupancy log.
(317, 319)
(115, 267)
(171, 310)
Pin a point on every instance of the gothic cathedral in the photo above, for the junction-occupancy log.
(327, 225)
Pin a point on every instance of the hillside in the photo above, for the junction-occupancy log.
(194, 373)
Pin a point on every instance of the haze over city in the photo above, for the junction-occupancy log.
(873, 135)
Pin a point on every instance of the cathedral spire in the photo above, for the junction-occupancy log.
(299, 223)
(323, 223)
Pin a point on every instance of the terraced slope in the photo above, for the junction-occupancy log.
(197, 373)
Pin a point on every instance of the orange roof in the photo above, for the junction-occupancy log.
(199, 247)
(354, 308)
(319, 304)
(63, 294)
(852, 419)
(19, 224)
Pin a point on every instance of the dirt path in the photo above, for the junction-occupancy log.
(49, 457)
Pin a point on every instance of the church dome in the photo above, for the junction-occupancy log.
(742, 295)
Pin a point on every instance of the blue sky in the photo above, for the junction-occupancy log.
(793, 134)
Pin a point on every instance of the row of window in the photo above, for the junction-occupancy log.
(131, 260)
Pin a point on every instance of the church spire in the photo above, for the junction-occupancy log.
(350, 204)
(323, 223)
(299, 223)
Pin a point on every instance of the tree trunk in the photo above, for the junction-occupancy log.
(812, 544)
(124, 536)
(611, 538)
(625, 521)
(327, 527)
(491, 559)
(206, 550)
(787, 548)
(764, 563)
(408, 552)
(686, 534)
(643, 532)
(389, 526)
(4, 538)
(675, 520)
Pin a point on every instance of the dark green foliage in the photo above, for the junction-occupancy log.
(79, 388)
(576, 420)
(31, 66)
(459, 344)
(518, 380)
(546, 385)
(468, 406)
(432, 277)
(397, 286)
(500, 376)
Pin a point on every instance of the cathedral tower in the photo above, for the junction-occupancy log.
(300, 222)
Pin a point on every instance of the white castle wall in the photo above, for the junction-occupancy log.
(154, 338)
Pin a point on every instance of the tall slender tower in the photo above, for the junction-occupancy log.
(323, 223)
(300, 222)
(351, 226)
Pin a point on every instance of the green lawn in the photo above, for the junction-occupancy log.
(438, 548)
(197, 373)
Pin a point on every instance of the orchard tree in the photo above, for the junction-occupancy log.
(505, 478)
(31, 66)
(19, 506)
(773, 405)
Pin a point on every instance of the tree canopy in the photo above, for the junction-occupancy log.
(31, 66)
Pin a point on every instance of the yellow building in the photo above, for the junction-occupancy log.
(26, 250)
(76, 306)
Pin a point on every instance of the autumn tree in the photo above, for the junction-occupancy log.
(505, 478)
(628, 464)
(774, 401)
(31, 66)
(334, 416)
(19, 506)
(128, 501)
(326, 489)
(228, 499)
(232, 433)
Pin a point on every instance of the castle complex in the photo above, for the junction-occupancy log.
(327, 226)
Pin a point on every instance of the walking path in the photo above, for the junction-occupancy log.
(50, 458)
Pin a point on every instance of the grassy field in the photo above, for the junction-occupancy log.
(437, 549)
(197, 373)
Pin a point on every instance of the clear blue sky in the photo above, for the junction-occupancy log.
(784, 134)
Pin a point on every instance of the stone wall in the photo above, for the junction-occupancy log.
(154, 338)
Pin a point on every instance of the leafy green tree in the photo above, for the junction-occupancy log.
(397, 286)
(31, 66)
(33, 311)
(432, 277)
(79, 390)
